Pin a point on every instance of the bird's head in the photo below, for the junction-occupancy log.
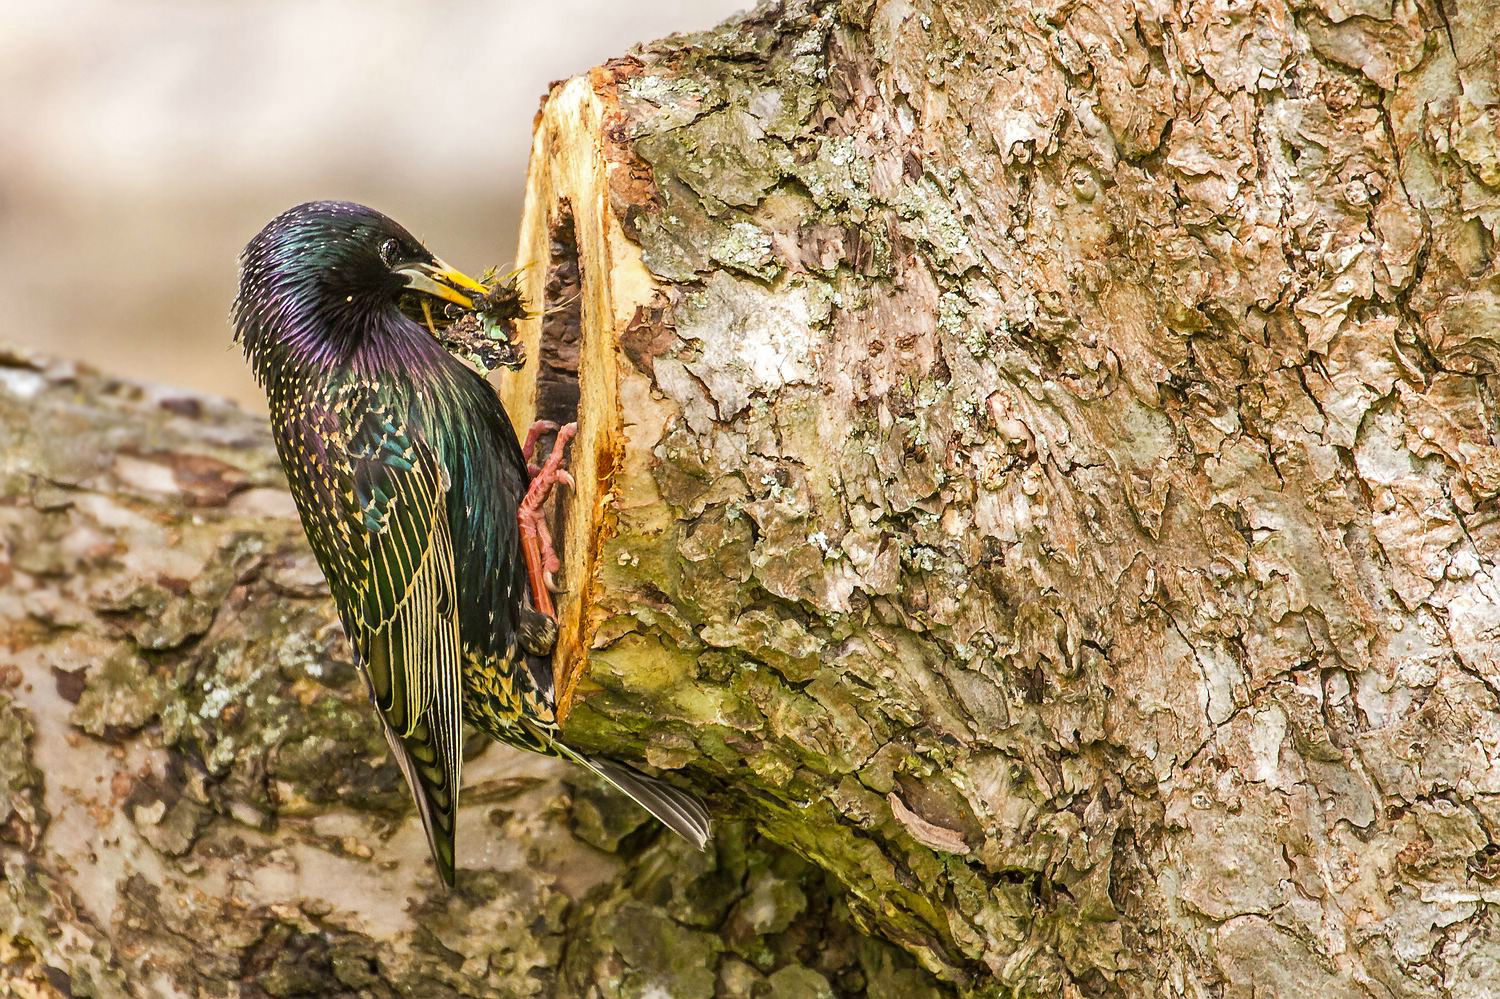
(326, 277)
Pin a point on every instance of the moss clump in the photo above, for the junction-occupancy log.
(121, 694)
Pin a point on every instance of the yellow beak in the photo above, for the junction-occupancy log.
(443, 281)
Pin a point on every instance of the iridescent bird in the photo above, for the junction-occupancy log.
(413, 491)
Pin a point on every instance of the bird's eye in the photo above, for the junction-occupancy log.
(389, 251)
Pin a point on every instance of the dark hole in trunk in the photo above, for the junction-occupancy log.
(557, 356)
(557, 353)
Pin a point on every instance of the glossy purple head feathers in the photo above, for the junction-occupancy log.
(320, 282)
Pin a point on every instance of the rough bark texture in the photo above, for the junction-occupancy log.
(1038, 471)
(194, 800)
(1039, 464)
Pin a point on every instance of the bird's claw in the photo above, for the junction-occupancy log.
(542, 562)
(559, 476)
(537, 429)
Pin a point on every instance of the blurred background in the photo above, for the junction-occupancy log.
(145, 141)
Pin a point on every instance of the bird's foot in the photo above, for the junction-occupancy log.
(528, 449)
(542, 562)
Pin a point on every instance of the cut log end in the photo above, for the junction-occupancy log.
(572, 251)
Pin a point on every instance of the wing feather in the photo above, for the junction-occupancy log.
(403, 605)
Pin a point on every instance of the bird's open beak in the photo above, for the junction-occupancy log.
(443, 281)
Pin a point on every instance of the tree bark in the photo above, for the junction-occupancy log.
(1038, 463)
(1037, 474)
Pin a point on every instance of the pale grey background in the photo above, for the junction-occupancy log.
(143, 142)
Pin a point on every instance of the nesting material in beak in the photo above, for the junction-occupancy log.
(485, 334)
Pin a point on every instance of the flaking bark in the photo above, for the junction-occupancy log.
(1039, 464)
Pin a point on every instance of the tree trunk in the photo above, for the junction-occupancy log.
(1038, 464)
(1037, 474)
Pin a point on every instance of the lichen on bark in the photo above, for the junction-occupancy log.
(1054, 482)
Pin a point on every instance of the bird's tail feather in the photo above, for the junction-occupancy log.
(678, 810)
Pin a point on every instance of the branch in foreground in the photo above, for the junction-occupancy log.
(195, 800)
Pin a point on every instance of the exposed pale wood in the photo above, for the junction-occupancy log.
(568, 177)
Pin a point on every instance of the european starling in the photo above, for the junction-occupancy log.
(413, 491)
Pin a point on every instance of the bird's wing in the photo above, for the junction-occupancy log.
(403, 605)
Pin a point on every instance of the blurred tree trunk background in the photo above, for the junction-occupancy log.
(1037, 473)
